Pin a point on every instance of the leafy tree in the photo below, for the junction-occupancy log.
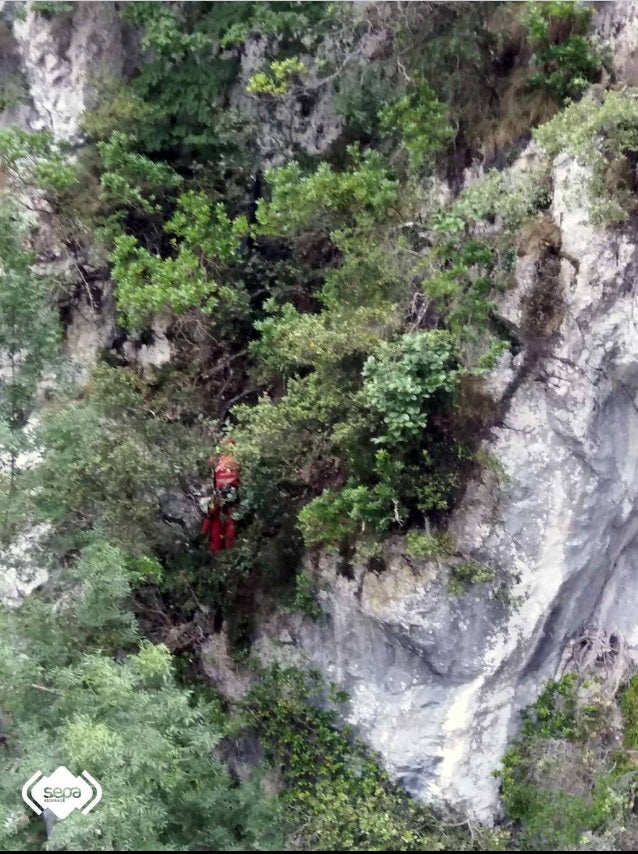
(329, 341)
(145, 739)
(419, 120)
(108, 457)
(402, 376)
(377, 383)
(283, 435)
(202, 238)
(131, 181)
(185, 76)
(325, 199)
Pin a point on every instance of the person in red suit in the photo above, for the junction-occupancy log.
(219, 525)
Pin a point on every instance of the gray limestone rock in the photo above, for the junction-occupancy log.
(183, 510)
(437, 680)
(65, 59)
(23, 566)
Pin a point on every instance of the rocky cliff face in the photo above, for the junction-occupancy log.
(63, 59)
(436, 679)
(50, 70)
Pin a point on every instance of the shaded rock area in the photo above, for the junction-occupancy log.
(182, 510)
(225, 674)
(305, 121)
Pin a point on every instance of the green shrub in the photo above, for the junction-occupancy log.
(564, 60)
(553, 715)
(277, 80)
(511, 197)
(132, 180)
(336, 515)
(467, 573)
(326, 200)
(359, 92)
(430, 545)
(305, 597)
(184, 77)
(600, 134)
(291, 340)
(203, 239)
(119, 110)
(290, 22)
(280, 437)
(401, 378)
(419, 120)
(52, 9)
(36, 160)
(560, 780)
(337, 796)
(629, 707)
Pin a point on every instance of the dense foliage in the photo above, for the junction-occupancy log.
(569, 781)
(80, 689)
(335, 313)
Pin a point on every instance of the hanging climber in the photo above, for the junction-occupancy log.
(219, 525)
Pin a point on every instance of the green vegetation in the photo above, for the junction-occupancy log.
(108, 457)
(430, 545)
(336, 794)
(401, 377)
(202, 239)
(277, 82)
(305, 598)
(335, 315)
(34, 159)
(68, 701)
(183, 81)
(564, 61)
(30, 344)
(419, 121)
(601, 133)
(50, 9)
(469, 572)
(568, 782)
